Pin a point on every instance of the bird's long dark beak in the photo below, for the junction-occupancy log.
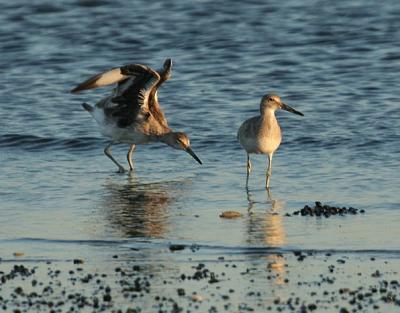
(290, 109)
(190, 151)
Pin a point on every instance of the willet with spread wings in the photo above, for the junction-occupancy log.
(131, 114)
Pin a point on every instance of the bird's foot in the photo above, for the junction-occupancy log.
(121, 170)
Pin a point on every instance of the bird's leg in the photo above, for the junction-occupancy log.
(269, 196)
(269, 171)
(249, 200)
(107, 152)
(129, 156)
(248, 170)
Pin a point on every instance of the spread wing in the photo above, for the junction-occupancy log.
(135, 82)
(130, 99)
(154, 106)
(109, 77)
(138, 87)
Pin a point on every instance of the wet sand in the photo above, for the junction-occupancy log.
(187, 280)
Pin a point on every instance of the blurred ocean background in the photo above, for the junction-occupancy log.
(338, 62)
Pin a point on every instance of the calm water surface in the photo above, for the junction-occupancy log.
(337, 62)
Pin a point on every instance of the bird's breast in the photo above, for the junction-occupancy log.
(268, 142)
(258, 137)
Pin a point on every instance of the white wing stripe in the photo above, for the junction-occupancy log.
(103, 79)
(110, 77)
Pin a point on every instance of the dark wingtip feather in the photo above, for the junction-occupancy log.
(87, 107)
(168, 64)
(83, 86)
(75, 90)
(87, 84)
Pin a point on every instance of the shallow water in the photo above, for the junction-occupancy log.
(338, 63)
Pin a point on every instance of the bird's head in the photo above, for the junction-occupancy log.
(180, 141)
(273, 102)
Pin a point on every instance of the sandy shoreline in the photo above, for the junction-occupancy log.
(290, 282)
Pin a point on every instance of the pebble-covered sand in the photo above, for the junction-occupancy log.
(296, 281)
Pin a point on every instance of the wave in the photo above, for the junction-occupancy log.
(204, 248)
(28, 142)
(37, 143)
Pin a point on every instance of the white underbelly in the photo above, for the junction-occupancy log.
(112, 131)
(263, 145)
(268, 145)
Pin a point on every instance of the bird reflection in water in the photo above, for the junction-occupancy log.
(139, 210)
(267, 229)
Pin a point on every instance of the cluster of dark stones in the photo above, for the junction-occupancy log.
(17, 270)
(202, 273)
(326, 210)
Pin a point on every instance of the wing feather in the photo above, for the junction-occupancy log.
(107, 78)
(145, 80)
(135, 96)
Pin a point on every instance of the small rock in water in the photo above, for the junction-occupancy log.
(230, 214)
(176, 247)
(78, 261)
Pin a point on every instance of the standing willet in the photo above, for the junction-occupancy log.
(262, 134)
(132, 114)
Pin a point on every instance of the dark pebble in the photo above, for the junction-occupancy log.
(312, 307)
(301, 258)
(213, 279)
(18, 290)
(176, 247)
(107, 297)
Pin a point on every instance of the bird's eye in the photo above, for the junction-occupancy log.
(271, 99)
